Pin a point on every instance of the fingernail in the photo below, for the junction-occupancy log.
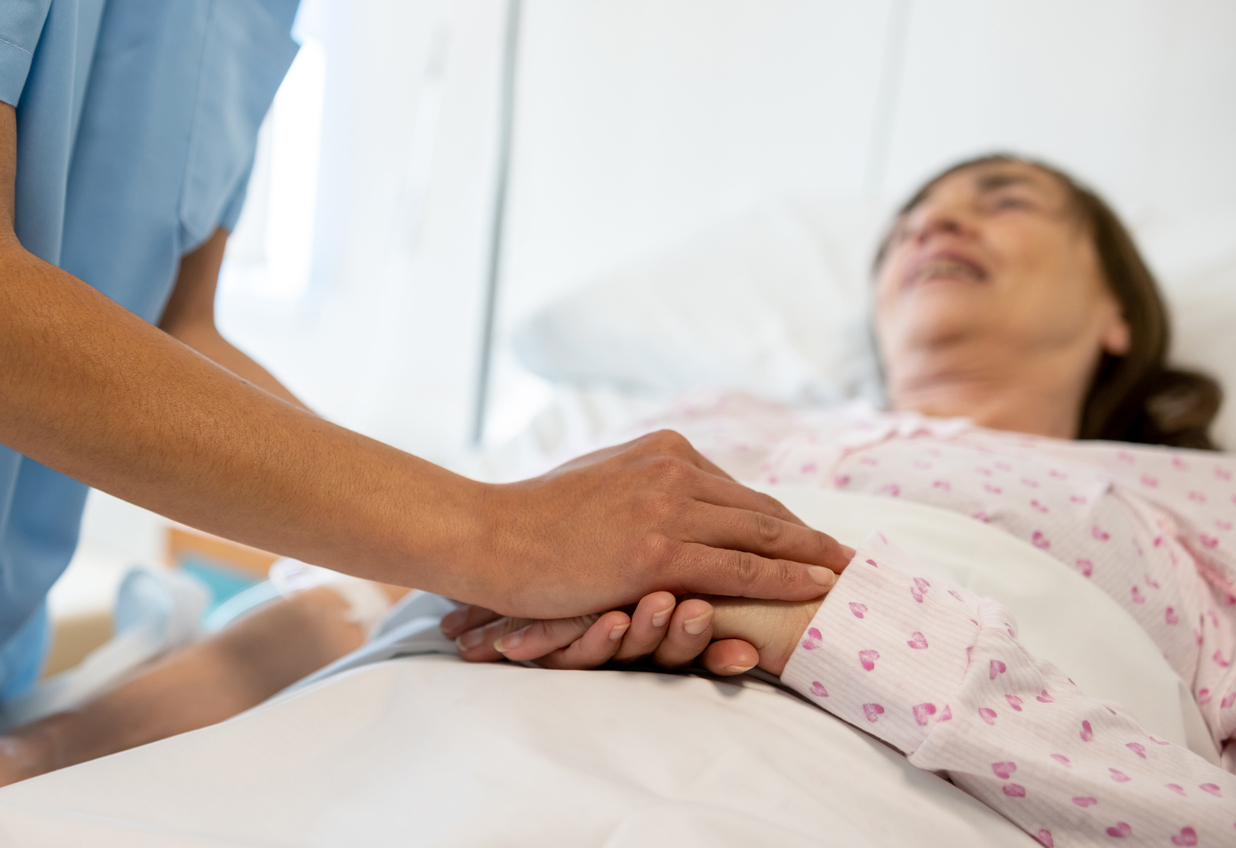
(738, 669)
(471, 639)
(510, 642)
(659, 619)
(696, 626)
(822, 575)
(616, 632)
(452, 621)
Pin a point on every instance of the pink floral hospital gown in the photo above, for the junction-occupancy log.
(937, 672)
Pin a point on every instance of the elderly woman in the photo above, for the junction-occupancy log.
(1024, 345)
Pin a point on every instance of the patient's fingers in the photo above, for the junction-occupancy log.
(522, 639)
(477, 644)
(649, 623)
(729, 656)
(465, 617)
(688, 634)
(593, 649)
(542, 637)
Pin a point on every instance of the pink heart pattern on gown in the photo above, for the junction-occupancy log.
(814, 639)
(1187, 836)
(872, 711)
(868, 658)
(1003, 770)
(1120, 830)
(917, 641)
(922, 712)
(858, 609)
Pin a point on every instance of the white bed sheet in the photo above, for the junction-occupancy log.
(427, 750)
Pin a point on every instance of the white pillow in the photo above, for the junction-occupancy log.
(768, 303)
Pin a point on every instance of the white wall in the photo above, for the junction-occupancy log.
(1136, 97)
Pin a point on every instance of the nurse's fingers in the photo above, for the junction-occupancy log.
(465, 617)
(726, 657)
(687, 636)
(745, 529)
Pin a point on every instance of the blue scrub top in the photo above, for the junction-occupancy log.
(136, 129)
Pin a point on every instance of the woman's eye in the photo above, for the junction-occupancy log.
(1010, 202)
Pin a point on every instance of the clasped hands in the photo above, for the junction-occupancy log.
(720, 573)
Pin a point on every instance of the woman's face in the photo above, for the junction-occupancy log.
(995, 266)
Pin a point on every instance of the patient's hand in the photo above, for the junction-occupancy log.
(773, 628)
(727, 635)
(671, 634)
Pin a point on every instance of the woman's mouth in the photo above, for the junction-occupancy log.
(945, 267)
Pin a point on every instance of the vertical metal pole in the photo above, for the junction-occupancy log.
(886, 105)
(506, 117)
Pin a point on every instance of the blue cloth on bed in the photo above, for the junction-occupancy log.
(136, 129)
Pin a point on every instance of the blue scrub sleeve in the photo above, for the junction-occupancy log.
(231, 212)
(21, 24)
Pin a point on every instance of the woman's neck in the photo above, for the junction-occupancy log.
(1037, 397)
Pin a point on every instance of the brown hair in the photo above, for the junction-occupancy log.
(1135, 397)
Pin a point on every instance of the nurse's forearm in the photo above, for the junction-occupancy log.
(189, 317)
(95, 392)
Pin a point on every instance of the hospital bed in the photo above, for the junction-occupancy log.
(402, 743)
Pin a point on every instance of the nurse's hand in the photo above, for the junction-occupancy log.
(606, 529)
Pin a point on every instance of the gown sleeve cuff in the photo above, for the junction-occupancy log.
(888, 647)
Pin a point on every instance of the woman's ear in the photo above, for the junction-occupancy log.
(1116, 338)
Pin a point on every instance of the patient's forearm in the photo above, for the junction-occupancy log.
(205, 683)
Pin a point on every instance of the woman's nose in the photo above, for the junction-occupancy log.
(935, 220)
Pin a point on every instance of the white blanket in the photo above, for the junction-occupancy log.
(427, 750)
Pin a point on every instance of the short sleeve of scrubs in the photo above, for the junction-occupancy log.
(21, 23)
